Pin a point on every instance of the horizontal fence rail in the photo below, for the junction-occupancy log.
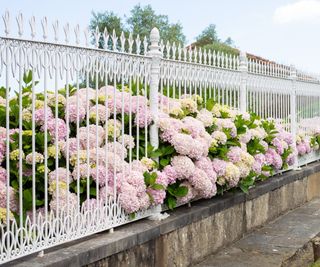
(79, 124)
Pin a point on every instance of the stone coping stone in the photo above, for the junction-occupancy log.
(102, 245)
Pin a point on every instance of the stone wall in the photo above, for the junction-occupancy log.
(189, 234)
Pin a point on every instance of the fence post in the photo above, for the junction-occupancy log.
(156, 56)
(293, 115)
(243, 67)
(155, 53)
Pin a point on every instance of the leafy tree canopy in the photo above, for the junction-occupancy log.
(209, 39)
(140, 21)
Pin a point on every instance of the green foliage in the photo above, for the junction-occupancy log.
(173, 192)
(150, 181)
(254, 147)
(208, 36)
(143, 19)
(106, 20)
(165, 152)
(140, 22)
(247, 182)
(209, 40)
(217, 46)
(270, 128)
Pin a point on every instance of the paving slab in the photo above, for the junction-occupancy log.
(273, 244)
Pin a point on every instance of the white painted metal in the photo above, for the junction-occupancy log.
(127, 63)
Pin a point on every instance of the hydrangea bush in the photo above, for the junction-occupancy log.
(205, 149)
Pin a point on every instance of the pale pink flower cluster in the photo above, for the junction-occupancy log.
(75, 112)
(226, 124)
(188, 136)
(200, 176)
(13, 201)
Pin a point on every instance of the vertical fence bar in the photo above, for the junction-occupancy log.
(156, 55)
(243, 83)
(293, 116)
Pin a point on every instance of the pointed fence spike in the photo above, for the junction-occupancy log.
(66, 30)
(77, 33)
(44, 24)
(32, 23)
(138, 44)
(6, 21)
(55, 26)
(86, 36)
(130, 42)
(105, 38)
(96, 37)
(20, 24)
(114, 40)
(145, 45)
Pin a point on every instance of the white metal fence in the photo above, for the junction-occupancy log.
(73, 136)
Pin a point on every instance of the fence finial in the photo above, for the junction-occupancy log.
(44, 24)
(293, 72)
(154, 48)
(55, 26)
(243, 61)
(32, 23)
(20, 24)
(6, 21)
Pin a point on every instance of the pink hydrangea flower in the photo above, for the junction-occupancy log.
(144, 201)
(74, 112)
(143, 117)
(193, 126)
(158, 196)
(171, 174)
(202, 183)
(181, 143)
(90, 204)
(61, 174)
(183, 166)
(129, 200)
(64, 204)
(62, 129)
(3, 175)
(234, 154)
(13, 201)
(162, 179)
(205, 164)
(39, 115)
(101, 174)
(118, 149)
(219, 166)
(278, 145)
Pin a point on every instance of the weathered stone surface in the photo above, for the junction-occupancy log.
(257, 211)
(283, 242)
(313, 186)
(195, 241)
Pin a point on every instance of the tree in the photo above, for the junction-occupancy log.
(208, 36)
(143, 19)
(140, 21)
(229, 41)
(209, 39)
(105, 20)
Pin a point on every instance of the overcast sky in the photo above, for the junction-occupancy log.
(283, 30)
